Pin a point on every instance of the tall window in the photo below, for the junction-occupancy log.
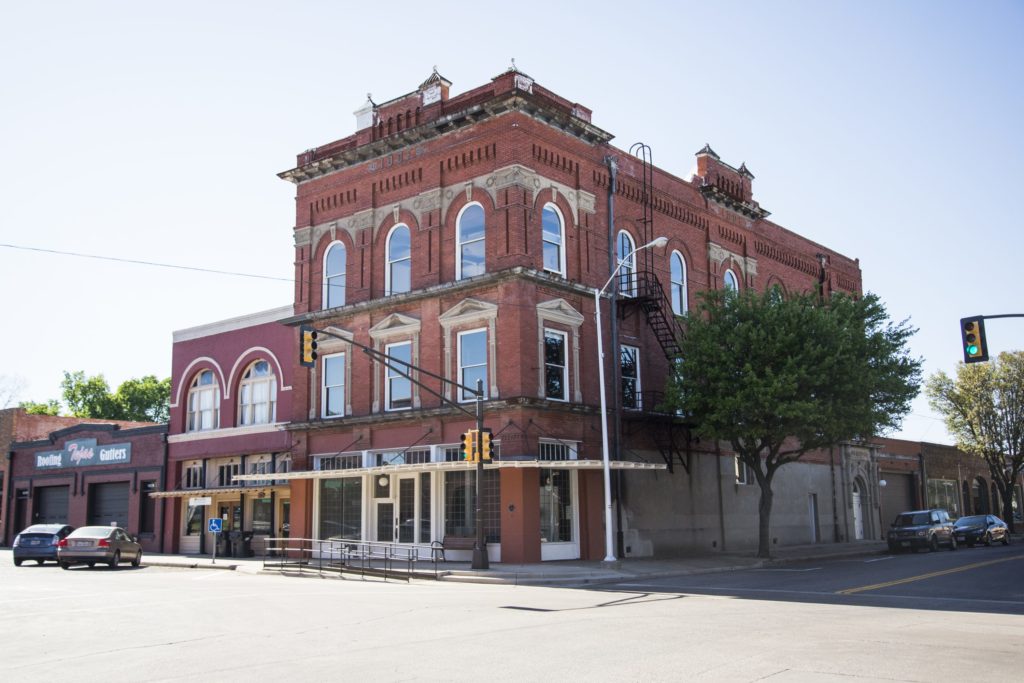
(398, 274)
(258, 395)
(553, 231)
(630, 362)
(398, 389)
(334, 276)
(341, 512)
(332, 398)
(555, 506)
(470, 242)
(678, 275)
(556, 367)
(731, 282)
(203, 403)
(194, 478)
(472, 362)
(627, 262)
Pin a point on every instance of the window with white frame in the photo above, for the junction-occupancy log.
(263, 464)
(470, 243)
(257, 394)
(283, 465)
(226, 473)
(398, 274)
(732, 283)
(416, 456)
(193, 476)
(203, 403)
(629, 359)
(472, 362)
(334, 275)
(398, 389)
(346, 461)
(744, 474)
(556, 365)
(678, 280)
(557, 450)
(553, 235)
(332, 395)
(627, 264)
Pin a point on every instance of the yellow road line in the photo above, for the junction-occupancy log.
(921, 577)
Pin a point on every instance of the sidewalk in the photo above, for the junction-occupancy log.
(569, 572)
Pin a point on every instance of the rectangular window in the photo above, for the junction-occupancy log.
(472, 362)
(398, 389)
(555, 506)
(630, 363)
(417, 456)
(424, 507)
(744, 475)
(226, 474)
(194, 476)
(341, 508)
(340, 462)
(942, 493)
(332, 398)
(261, 513)
(556, 366)
(556, 450)
(194, 520)
(460, 502)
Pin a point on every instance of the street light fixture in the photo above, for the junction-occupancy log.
(609, 553)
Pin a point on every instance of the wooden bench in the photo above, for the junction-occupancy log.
(452, 543)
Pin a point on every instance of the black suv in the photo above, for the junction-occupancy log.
(921, 529)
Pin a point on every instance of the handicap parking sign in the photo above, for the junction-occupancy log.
(215, 525)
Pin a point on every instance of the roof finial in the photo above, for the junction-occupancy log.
(514, 65)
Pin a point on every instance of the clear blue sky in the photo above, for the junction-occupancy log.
(890, 132)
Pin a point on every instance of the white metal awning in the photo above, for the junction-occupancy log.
(199, 493)
(457, 466)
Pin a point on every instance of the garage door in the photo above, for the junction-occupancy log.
(109, 504)
(896, 496)
(51, 505)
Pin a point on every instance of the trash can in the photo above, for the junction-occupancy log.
(223, 545)
(246, 544)
(235, 541)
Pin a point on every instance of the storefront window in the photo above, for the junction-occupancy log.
(460, 502)
(341, 508)
(261, 513)
(942, 493)
(193, 520)
(555, 506)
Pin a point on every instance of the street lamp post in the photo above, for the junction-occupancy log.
(609, 553)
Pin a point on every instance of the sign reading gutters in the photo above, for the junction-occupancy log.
(84, 453)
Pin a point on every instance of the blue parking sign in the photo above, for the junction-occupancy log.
(215, 525)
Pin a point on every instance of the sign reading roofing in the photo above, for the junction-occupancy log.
(84, 453)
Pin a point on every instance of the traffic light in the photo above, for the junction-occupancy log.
(307, 351)
(469, 446)
(485, 444)
(972, 332)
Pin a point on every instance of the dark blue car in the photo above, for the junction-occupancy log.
(39, 542)
(981, 529)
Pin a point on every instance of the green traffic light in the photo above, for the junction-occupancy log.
(972, 349)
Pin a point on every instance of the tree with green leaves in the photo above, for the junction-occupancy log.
(984, 411)
(778, 377)
(146, 399)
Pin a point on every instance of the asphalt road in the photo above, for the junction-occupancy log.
(163, 624)
(977, 579)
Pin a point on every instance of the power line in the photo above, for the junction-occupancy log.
(146, 263)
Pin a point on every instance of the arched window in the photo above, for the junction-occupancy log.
(257, 395)
(678, 276)
(203, 403)
(469, 236)
(334, 276)
(731, 282)
(553, 232)
(398, 274)
(627, 264)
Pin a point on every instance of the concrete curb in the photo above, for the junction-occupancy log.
(188, 565)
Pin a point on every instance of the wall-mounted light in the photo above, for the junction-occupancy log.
(383, 480)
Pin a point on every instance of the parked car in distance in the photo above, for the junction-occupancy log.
(39, 543)
(91, 544)
(921, 529)
(981, 529)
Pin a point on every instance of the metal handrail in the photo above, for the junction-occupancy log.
(341, 555)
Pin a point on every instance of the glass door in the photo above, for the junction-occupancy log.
(406, 508)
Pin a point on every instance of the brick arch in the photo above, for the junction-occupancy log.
(315, 293)
(187, 376)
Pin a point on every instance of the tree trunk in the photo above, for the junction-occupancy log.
(1006, 493)
(764, 510)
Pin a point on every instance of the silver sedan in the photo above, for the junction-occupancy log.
(88, 545)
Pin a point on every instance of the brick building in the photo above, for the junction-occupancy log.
(467, 235)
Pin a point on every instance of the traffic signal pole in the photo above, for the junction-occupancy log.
(972, 336)
(402, 367)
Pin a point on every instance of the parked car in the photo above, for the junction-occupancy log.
(91, 544)
(39, 543)
(981, 529)
(921, 529)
